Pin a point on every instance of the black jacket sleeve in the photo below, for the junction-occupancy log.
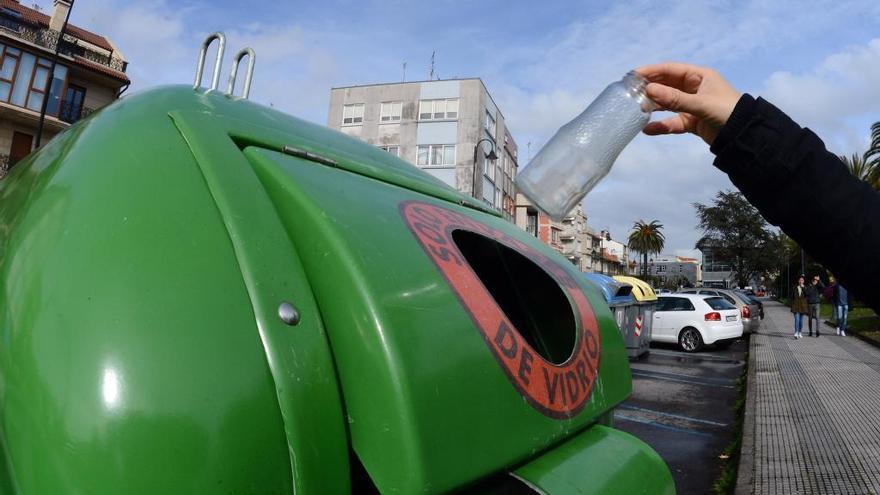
(798, 185)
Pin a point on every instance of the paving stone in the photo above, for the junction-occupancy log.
(813, 414)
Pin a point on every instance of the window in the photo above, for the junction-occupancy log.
(681, 304)
(490, 124)
(390, 112)
(532, 223)
(8, 67)
(718, 303)
(488, 192)
(554, 235)
(446, 108)
(353, 114)
(72, 104)
(663, 304)
(394, 150)
(24, 77)
(489, 169)
(436, 155)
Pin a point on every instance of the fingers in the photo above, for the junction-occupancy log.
(676, 124)
(673, 99)
(685, 77)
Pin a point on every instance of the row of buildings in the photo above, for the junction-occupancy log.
(454, 130)
(90, 72)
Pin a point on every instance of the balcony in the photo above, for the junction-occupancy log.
(71, 113)
(48, 39)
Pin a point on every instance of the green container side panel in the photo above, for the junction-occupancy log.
(421, 387)
(599, 461)
(130, 361)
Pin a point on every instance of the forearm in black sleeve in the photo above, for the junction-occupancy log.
(786, 172)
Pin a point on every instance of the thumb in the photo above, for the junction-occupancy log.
(675, 100)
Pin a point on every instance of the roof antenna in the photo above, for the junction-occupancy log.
(404, 71)
(431, 72)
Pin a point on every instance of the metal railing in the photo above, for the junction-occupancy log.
(48, 39)
(71, 112)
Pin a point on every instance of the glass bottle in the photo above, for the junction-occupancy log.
(583, 151)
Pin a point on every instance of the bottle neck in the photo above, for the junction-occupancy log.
(635, 85)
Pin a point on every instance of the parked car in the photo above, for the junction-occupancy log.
(756, 300)
(694, 320)
(749, 310)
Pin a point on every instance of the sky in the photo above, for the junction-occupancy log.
(543, 62)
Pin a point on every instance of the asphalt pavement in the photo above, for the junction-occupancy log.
(682, 406)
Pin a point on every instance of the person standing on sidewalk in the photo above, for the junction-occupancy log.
(814, 298)
(799, 306)
(840, 302)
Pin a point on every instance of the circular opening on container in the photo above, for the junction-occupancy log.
(532, 300)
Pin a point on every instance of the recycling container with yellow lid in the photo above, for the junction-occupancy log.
(642, 317)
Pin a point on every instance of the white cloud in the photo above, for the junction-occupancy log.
(837, 98)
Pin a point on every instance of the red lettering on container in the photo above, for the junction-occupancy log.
(556, 390)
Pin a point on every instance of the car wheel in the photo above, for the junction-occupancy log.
(690, 340)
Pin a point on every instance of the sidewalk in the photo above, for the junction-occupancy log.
(812, 421)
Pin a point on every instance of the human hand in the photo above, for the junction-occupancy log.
(702, 99)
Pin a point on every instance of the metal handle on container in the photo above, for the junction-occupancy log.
(200, 68)
(246, 89)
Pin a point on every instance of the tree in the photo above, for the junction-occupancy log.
(858, 166)
(646, 238)
(872, 157)
(735, 231)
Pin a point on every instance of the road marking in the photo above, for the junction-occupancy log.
(655, 424)
(674, 377)
(671, 415)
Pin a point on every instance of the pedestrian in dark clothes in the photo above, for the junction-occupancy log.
(799, 306)
(814, 300)
(841, 300)
(776, 163)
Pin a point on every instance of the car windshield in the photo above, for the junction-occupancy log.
(718, 303)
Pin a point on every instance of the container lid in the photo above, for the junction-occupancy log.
(616, 293)
(641, 291)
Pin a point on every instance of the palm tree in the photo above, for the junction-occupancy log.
(872, 156)
(646, 238)
(857, 166)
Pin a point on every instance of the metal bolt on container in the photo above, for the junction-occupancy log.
(145, 253)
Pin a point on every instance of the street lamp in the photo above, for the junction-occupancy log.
(489, 156)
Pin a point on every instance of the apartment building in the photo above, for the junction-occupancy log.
(570, 236)
(452, 129)
(90, 72)
(673, 270)
(613, 255)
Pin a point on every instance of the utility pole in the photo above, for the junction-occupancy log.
(51, 78)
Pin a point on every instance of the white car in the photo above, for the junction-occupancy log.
(693, 320)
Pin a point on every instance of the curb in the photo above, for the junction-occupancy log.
(745, 478)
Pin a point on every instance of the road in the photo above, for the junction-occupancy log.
(682, 406)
